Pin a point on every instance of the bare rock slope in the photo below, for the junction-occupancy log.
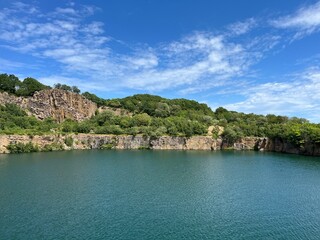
(55, 103)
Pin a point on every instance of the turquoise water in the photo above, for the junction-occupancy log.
(106, 194)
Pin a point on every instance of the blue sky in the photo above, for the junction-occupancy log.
(249, 56)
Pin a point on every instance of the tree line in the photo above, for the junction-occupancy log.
(153, 116)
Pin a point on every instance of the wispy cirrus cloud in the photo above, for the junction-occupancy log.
(242, 27)
(199, 59)
(70, 38)
(195, 62)
(305, 20)
(298, 96)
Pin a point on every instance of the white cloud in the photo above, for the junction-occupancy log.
(300, 96)
(194, 63)
(198, 61)
(306, 20)
(242, 27)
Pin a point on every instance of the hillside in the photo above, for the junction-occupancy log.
(39, 109)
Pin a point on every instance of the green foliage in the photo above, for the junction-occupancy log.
(107, 146)
(13, 110)
(52, 147)
(13, 120)
(109, 129)
(152, 116)
(75, 89)
(22, 148)
(156, 106)
(68, 141)
(141, 120)
(29, 86)
(94, 98)
(9, 83)
(65, 87)
(231, 134)
(12, 84)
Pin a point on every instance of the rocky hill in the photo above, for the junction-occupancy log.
(55, 103)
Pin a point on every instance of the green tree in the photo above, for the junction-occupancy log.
(162, 110)
(29, 86)
(9, 83)
(141, 120)
(75, 89)
(94, 98)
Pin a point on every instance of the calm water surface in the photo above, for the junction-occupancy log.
(108, 194)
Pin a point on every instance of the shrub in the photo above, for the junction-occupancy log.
(68, 141)
(22, 148)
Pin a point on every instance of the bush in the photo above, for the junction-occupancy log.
(29, 86)
(109, 129)
(68, 141)
(22, 148)
(52, 147)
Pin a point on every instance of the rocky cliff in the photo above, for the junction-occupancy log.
(278, 145)
(102, 141)
(95, 141)
(273, 145)
(249, 143)
(55, 103)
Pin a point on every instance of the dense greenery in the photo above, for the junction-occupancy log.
(94, 98)
(12, 84)
(151, 116)
(22, 148)
(15, 120)
(156, 106)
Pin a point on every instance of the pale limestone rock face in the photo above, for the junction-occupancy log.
(218, 129)
(95, 141)
(166, 142)
(61, 105)
(199, 143)
(55, 103)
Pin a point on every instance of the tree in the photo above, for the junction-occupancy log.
(94, 98)
(29, 86)
(9, 83)
(75, 89)
(162, 110)
(65, 87)
(141, 120)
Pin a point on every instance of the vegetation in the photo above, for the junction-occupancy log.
(12, 84)
(65, 87)
(94, 98)
(13, 120)
(22, 148)
(68, 141)
(150, 116)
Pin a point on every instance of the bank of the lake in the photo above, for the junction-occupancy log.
(55, 142)
(131, 194)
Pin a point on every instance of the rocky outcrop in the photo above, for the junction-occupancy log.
(274, 145)
(279, 145)
(249, 143)
(55, 103)
(95, 141)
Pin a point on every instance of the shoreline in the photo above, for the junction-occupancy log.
(58, 142)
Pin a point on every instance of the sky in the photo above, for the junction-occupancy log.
(249, 56)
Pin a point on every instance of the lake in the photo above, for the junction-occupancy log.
(109, 194)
